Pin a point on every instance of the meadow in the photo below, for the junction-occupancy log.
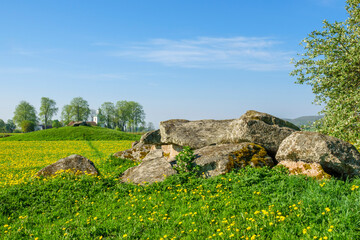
(247, 204)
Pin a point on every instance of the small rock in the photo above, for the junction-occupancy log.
(74, 163)
(150, 171)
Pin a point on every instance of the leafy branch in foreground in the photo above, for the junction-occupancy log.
(331, 66)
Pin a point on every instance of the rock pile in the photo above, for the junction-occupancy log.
(255, 139)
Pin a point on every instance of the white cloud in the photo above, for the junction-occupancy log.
(249, 53)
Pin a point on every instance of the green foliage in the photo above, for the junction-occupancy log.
(10, 126)
(129, 115)
(47, 110)
(27, 126)
(107, 110)
(330, 65)
(80, 110)
(56, 124)
(24, 111)
(66, 114)
(74, 133)
(185, 161)
(2, 126)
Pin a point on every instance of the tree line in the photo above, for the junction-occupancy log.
(124, 115)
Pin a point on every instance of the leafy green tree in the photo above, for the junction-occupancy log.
(47, 110)
(27, 126)
(331, 66)
(121, 114)
(56, 123)
(101, 117)
(108, 111)
(130, 115)
(136, 116)
(10, 126)
(24, 111)
(80, 109)
(66, 114)
(2, 126)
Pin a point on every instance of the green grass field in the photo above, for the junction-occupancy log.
(248, 204)
(74, 133)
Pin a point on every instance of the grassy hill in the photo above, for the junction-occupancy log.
(74, 133)
(305, 120)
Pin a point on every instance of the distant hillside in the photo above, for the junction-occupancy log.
(74, 133)
(305, 120)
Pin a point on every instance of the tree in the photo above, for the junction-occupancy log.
(24, 111)
(121, 114)
(108, 111)
(331, 65)
(27, 126)
(2, 126)
(10, 126)
(136, 115)
(47, 110)
(66, 114)
(101, 118)
(56, 124)
(80, 109)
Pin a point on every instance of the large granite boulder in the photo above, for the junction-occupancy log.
(256, 127)
(149, 171)
(136, 153)
(74, 163)
(222, 158)
(195, 134)
(336, 157)
(260, 128)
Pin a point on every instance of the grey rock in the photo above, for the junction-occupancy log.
(256, 127)
(136, 153)
(150, 171)
(152, 137)
(73, 163)
(134, 143)
(195, 134)
(336, 157)
(260, 128)
(222, 158)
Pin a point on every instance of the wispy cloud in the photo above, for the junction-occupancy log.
(249, 53)
(100, 76)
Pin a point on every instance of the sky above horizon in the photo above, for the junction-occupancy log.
(183, 59)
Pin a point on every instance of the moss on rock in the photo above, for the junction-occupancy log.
(252, 154)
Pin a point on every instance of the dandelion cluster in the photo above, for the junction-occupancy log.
(20, 160)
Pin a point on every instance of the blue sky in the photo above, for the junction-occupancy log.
(185, 59)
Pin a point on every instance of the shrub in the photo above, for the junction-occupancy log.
(27, 126)
(185, 161)
(56, 124)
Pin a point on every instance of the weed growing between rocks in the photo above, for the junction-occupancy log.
(185, 162)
